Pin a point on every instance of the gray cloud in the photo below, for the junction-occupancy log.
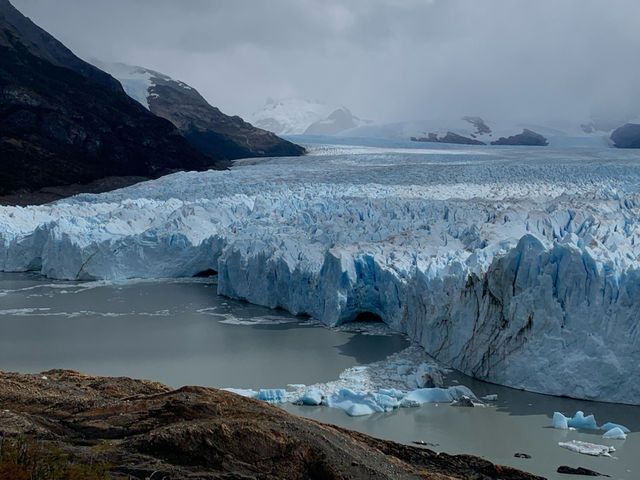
(386, 59)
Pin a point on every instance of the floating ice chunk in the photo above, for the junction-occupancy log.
(426, 395)
(387, 402)
(587, 448)
(419, 396)
(490, 398)
(356, 403)
(392, 392)
(580, 421)
(312, 397)
(560, 421)
(272, 395)
(608, 426)
(615, 433)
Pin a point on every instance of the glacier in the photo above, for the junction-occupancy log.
(510, 264)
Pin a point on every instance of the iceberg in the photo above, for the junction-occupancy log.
(587, 448)
(272, 395)
(357, 404)
(609, 426)
(420, 396)
(367, 389)
(513, 267)
(616, 433)
(579, 420)
(560, 421)
(312, 397)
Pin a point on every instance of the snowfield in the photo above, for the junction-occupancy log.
(516, 265)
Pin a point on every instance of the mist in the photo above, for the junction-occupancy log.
(388, 60)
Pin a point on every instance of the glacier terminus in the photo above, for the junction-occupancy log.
(514, 265)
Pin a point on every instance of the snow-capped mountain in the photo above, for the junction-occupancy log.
(64, 121)
(294, 116)
(215, 134)
(337, 122)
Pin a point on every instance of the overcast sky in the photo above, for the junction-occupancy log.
(532, 60)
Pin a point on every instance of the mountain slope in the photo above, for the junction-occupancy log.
(206, 127)
(63, 121)
(293, 116)
(340, 120)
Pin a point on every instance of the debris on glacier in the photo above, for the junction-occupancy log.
(587, 448)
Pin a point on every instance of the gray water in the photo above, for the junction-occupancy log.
(177, 332)
(180, 332)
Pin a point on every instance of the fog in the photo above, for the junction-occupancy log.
(388, 60)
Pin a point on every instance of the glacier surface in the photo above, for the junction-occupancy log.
(514, 265)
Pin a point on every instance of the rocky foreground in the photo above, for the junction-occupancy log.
(133, 428)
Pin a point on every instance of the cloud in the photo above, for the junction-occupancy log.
(387, 59)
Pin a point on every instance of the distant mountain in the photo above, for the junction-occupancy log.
(527, 137)
(295, 116)
(627, 136)
(337, 122)
(208, 129)
(450, 137)
(64, 121)
(467, 130)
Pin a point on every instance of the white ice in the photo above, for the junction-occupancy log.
(587, 448)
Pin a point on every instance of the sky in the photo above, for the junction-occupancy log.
(386, 60)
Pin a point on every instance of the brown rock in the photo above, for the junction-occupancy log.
(140, 427)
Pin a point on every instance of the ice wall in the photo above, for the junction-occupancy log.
(520, 268)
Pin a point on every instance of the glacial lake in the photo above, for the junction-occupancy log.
(180, 332)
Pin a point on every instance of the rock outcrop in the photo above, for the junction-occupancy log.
(627, 136)
(527, 137)
(450, 137)
(219, 136)
(63, 121)
(138, 427)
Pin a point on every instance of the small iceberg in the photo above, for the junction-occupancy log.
(616, 433)
(587, 448)
(560, 421)
(356, 404)
(608, 426)
(312, 397)
(579, 420)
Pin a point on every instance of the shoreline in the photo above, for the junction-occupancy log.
(139, 426)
